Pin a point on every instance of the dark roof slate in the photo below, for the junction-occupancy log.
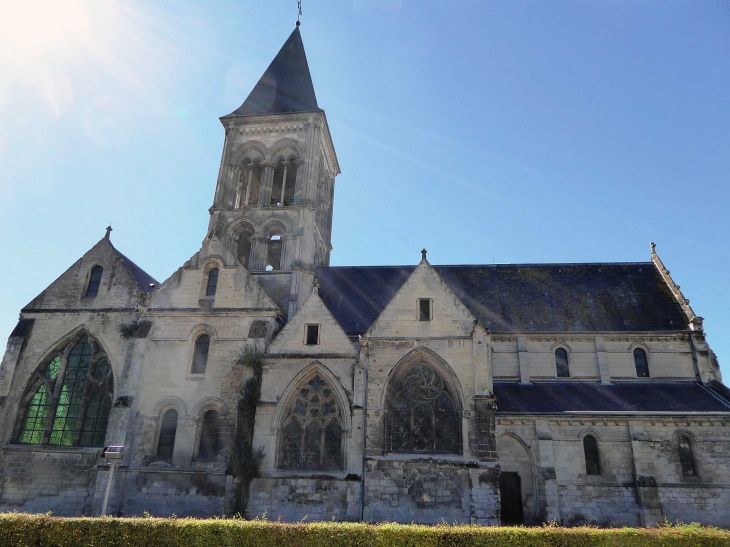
(144, 280)
(519, 297)
(286, 86)
(557, 397)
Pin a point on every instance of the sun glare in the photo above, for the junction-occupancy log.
(31, 28)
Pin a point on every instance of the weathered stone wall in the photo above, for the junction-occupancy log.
(641, 481)
(311, 498)
(39, 480)
(431, 490)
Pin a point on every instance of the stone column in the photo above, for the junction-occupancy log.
(524, 358)
(484, 421)
(483, 384)
(547, 467)
(267, 181)
(647, 494)
(288, 243)
(603, 367)
(259, 250)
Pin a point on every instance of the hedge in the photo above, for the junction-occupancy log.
(22, 530)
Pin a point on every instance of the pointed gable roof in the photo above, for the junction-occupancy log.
(400, 318)
(286, 86)
(144, 281)
(332, 339)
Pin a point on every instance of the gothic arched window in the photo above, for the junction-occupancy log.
(590, 451)
(311, 436)
(210, 436)
(423, 414)
(168, 430)
(561, 363)
(212, 282)
(686, 456)
(200, 357)
(69, 399)
(641, 363)
(92, 289)
(274, 250)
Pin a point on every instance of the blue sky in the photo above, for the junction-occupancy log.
(485, 131)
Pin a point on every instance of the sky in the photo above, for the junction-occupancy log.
(485, 131)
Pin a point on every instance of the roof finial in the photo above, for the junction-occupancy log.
(299, 6)
(108, 232)
(653, 248)
(315, 286)
(423, 255)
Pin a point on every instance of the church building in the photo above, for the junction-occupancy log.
(486, 394)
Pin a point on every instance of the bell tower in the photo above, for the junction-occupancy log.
(272, 210)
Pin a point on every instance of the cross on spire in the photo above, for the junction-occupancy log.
(299, 7)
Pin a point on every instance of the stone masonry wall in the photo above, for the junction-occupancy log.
(431, 491)
(295, 499)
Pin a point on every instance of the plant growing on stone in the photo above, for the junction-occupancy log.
(245, 461)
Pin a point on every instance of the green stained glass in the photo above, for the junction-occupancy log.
(71, 404)
(53, 368)
(34, 423)
(93, 431)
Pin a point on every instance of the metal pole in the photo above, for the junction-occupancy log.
(108, 488)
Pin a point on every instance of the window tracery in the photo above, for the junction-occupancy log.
(71, 398)
(423, 415)
(312, 433)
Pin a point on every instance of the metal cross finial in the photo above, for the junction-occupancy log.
(299, 6)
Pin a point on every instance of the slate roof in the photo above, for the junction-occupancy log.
(556, 397)
(286, 86)
(519, 297)
(143, 279)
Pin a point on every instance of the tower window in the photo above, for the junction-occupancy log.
(686, 457)
(424, 309)
(94, 281)
(590, 450)
(200, 359)
(561, 363)
(212, 282)
(312, 335)
(642, 365)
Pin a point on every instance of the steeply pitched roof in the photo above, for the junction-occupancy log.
(554, 397)
(286, 86)
(144, 280)
(519, 298)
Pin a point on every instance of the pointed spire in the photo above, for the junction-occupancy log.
(286, 86)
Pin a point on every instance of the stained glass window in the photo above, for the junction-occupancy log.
(72, 398)
(561, 363)
(312, 433)
(590, 450)
(423, 416)
(642, 365)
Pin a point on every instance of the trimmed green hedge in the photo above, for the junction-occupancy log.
(21, 530)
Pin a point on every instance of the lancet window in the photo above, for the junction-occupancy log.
(641, 363)
(311, 436)
(423, 414)
(686, 456)
(592, 457)
(210, 442)
(561, 363)
(70, 397)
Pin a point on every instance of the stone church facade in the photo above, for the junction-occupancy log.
(584, 393)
